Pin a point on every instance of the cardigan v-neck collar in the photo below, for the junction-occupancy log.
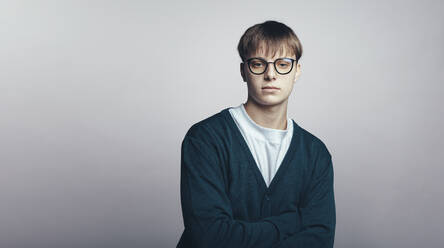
(285, 162)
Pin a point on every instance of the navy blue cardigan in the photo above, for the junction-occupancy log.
(226, 203)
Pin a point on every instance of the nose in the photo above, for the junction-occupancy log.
(270, 72)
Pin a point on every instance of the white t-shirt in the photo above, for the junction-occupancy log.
(267, 145)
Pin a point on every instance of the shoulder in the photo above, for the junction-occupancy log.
(313, 145)
(214, 130)
(211, 135)
(207, 127)
(319, 158)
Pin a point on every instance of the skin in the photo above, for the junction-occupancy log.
(269, 109)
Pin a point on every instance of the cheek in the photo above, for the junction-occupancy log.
(289, 86)
(292, 76)
(253, 81)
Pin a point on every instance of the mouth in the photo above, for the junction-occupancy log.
(270, 87)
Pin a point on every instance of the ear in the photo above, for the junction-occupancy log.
(242, 72)
(298, 72)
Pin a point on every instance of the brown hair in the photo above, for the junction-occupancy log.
(272, 36)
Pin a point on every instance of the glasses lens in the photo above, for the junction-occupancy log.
(257, 66)
(283, 65)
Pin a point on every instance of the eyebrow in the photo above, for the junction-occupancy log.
(275, 59)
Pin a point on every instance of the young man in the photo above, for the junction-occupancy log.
(251, 176)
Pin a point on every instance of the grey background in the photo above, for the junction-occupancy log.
(96, 97)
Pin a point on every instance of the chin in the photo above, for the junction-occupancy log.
(270, 102)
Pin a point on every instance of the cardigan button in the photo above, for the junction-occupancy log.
(267, 197)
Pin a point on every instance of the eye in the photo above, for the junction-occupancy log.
(283, 63)
(256, 63)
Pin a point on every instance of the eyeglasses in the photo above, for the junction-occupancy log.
(281, 65)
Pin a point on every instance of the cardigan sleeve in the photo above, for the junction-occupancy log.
(318, 214)
(206, 208)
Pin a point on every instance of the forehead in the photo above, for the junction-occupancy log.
(272, 52)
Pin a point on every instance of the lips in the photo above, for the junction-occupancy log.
(270, 87)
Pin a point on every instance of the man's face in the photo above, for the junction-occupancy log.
(270, 78)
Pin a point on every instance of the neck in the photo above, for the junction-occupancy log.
(269, 116)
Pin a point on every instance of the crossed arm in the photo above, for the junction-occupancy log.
(208, 217)
(318, 213)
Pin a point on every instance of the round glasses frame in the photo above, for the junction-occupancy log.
(248, 61)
